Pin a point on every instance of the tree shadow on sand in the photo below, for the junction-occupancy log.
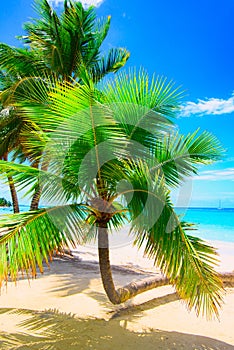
(54, 330)
(132, 310)
(71, 282)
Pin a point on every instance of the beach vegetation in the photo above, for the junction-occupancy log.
(64, 47)
(4, 202)
(113, 154)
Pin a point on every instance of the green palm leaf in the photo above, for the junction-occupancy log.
(88, 141)
(28, 239)
(187, 261)
(137, 88)
(71, 42)
(177, 156)
(20, 62)
(110, 63)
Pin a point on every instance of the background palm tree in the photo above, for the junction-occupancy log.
(9, 139)
(65, 47)
(113, 156)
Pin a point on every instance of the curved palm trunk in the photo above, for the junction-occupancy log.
(35, 199)
(120, 295)
(14, 196)
(13, 192)
(38, 191)
(104, 264)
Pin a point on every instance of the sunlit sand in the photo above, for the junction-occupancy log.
(157, 318)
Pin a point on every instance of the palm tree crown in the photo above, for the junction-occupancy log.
(67, 47)
(112, 156)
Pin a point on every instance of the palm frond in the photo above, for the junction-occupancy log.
(54, 187)
(76, 123)
(10, 126)
(28, 239)
(109, 63)
(187, 261)
(21, 62)
(143, 107)
(156, 94)
(177, 156)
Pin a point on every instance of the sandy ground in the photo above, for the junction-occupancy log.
(39, 315)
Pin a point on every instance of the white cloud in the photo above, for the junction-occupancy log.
(86, 3)
(209, 106)
(216, 175)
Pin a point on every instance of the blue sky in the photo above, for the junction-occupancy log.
(190, 42)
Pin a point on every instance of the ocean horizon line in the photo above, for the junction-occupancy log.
(176, 207)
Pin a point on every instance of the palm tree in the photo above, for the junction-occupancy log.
(8, 136)
(114, 155)
(71, 43)
(13, 145)
(65, 47)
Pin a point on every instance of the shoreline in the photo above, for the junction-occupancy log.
(131, 257)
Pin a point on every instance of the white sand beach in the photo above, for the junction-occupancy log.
(153, 320)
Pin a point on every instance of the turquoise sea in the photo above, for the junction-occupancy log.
(211, 223)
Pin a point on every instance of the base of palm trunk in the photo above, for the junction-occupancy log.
(120, 295)
(134, 288)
